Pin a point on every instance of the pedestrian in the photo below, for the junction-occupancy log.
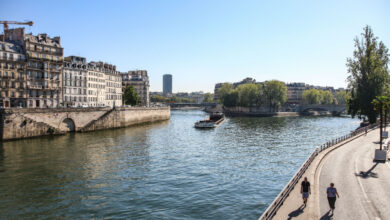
(365, 129)
(331, 193)
(305, 190)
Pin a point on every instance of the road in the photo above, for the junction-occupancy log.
(363, 185)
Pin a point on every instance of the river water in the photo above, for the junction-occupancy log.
(165, 170)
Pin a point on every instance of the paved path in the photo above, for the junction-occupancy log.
(364, 186)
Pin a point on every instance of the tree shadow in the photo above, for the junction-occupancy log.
(296, 212)
(327, 216)
(368, 173)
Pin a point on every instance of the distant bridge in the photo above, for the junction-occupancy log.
(334, 109)
(178, 105)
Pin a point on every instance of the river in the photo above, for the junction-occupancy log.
(165, 170)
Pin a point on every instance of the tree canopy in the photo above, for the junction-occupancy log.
(225, 89)
(249, 94)
(275, 93)
(368, 69)
(208, 97)
(312, 96)
(130, 96)
(341, 97)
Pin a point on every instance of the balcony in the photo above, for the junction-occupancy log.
(34, 87)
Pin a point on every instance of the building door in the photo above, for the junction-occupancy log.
(37, 103)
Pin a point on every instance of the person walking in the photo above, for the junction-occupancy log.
(305, 190)
(331, 193)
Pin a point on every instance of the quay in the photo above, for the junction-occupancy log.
(363, 184)
(18, 123)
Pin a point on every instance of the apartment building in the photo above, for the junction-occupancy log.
(96, 85)
(294, 92)
(74, 82)
(140, 81)
(12, 76)
(44, 57)
(113, 90)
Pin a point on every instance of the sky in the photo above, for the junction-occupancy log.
(203, 42)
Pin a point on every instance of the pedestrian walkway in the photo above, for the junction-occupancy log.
(357, 178)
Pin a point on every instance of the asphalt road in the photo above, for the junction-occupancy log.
(363, 185)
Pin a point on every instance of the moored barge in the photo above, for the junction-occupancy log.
(214, 120)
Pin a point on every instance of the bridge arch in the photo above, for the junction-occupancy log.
(68, 125)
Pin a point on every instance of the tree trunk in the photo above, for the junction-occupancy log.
(380, 128)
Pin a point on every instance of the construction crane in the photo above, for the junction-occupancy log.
(6, 23)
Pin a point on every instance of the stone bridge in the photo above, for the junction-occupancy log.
(178, 105)
(18, 123)
(334, 109)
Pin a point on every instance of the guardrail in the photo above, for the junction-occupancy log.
(278, 202)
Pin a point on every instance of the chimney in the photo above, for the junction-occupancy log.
(57, 39)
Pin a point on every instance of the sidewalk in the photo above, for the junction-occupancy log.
(292, 207)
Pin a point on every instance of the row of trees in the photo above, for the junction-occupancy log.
(272, 94)
(208, 97)
(325, 97)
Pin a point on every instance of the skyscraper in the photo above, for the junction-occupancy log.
(167, 84)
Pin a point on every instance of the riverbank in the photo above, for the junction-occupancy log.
(310, 110)
(19, 123)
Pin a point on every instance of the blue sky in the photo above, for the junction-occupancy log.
(202, 42)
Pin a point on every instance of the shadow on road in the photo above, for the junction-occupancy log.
(327, 216)
(368, 173)
(297, 212)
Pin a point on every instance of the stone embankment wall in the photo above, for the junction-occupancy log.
(25, 123)
(256, 112)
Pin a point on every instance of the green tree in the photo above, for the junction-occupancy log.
(312, 96)
(231, 99)
(248, 94)
(225, 89)
(327, 97)
(275, 93)
(260, 99)
(368, 70)
(130, 96)
(342, 97)
(208, 97)
(158, 98)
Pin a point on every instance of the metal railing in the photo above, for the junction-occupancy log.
(279, 200)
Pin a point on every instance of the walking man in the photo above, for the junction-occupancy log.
(305, 190)
(331, 193)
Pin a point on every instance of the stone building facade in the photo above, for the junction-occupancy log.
(96, 85)
(34, 74)
(44, 57)
(74, 82)
(113, 90)
(140, 81)
(294, 92)
(12, 76)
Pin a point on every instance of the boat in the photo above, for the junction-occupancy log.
(215, 119)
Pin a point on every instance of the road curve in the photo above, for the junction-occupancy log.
(363, 185)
